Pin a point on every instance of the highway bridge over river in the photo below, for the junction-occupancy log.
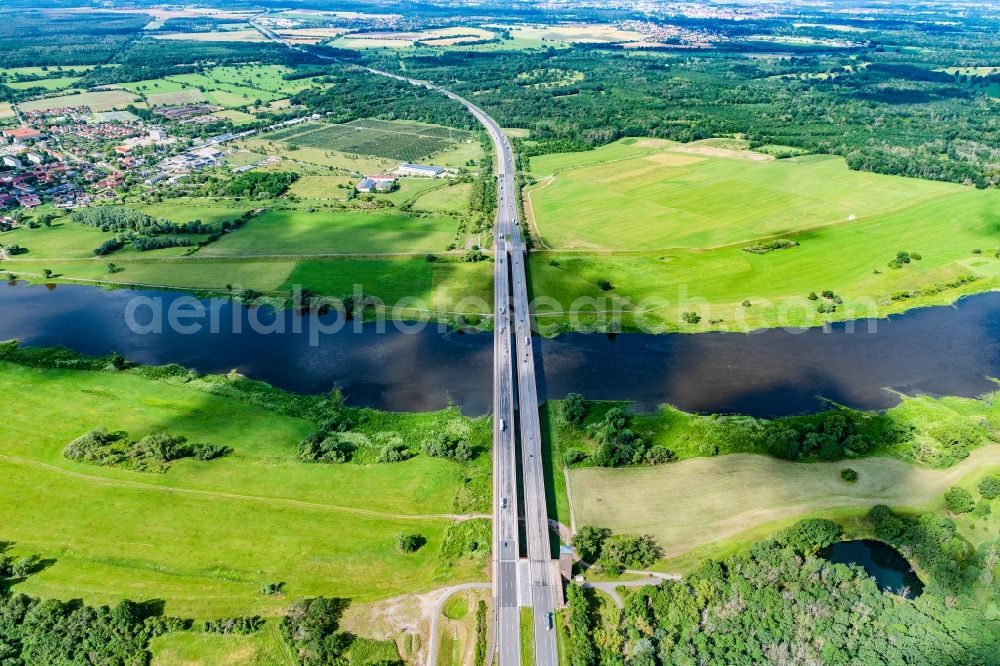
(524, 571)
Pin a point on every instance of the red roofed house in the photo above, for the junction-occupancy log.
(20, 134)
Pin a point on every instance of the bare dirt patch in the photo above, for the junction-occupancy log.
(715, 151)
(673, 159)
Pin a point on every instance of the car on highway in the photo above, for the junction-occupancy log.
(549, 621)
(503, 502)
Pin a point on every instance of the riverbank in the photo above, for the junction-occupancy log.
(424, 367)
(320, 529)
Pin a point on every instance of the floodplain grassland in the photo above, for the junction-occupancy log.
(706, 505)
(65, 239)
(204, 536)
(701, 196)
(282, 247)
(667, 231)
(297, 232)
(442, 286)
(702, 501)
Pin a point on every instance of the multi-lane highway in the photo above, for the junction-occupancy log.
(531, 581)
(517, 581)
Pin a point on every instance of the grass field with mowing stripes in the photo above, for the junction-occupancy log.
(683, 197)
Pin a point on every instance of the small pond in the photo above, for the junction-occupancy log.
(884, 563)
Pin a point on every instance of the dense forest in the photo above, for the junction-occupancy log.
(356, 94)
(31, 38)
(779, 603)
(880, 115)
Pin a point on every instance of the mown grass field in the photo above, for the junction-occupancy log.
(204, 536)
(452, 199)
(613, 209)
(187, 648)
(97, 100)
(299, 232)
(683, 198)
(851, 260)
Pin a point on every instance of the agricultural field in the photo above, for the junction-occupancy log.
(452, 199)
(402, 141)
(357, 165)
(590, 33)
(97, 100)
(55, 83)
(249, 35)
(320, 529)
(613, 211)
(696, 195)
(301, 233)
(443, 37)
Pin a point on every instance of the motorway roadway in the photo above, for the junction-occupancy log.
(510, 303)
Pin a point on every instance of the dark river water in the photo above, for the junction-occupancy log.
(944, 351)
(881, 561)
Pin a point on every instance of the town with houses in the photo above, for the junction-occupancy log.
(71, 157)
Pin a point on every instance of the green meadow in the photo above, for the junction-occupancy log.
(204, 536)
(705, 505)
(604, 221)
(683, 197)
(300, 232)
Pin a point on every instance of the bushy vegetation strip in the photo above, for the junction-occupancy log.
(927, 431)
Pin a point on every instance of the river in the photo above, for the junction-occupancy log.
(941, 351)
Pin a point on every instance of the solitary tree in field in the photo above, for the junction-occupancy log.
(409, 543)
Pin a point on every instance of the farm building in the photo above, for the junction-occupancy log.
(21, 134)
(381, 183)
(421, 170)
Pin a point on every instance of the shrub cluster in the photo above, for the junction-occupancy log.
(243, 624)
(152, 453)
(764, 247)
